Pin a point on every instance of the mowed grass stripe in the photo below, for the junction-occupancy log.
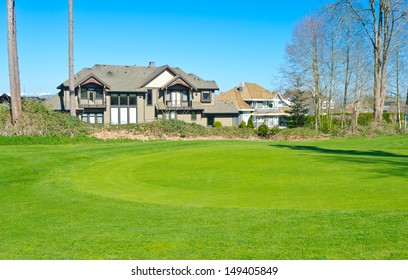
(49, 212)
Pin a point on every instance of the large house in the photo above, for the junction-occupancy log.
(258, 103)
(112, 94)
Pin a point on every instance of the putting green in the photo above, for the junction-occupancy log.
(257, 175)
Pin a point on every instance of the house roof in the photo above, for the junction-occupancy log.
(5, 98)
(124, 78)
(55, 102)
(221, 107)
(253, 91)
(234, 96)
(246, 92)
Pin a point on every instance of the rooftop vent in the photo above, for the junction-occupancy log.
(152, 64)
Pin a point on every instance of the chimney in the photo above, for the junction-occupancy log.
(152, 64)
(241, 86)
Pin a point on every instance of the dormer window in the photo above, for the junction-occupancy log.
(206, 96)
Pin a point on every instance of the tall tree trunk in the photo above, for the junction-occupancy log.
(71, 58)
(316, 77)
(378, 33)
(406, 111)
(332, 81)
(14, 73)
(398, 87)
(347, 77)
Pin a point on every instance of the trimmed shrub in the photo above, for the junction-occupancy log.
(242, 125)
(217, 124)
(263, 130)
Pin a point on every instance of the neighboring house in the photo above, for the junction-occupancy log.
(325, 104)
(112, 94)
(256, 102)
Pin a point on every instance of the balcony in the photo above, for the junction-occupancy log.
(89, 103)
(178, 105)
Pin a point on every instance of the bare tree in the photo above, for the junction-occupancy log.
(360, 73)
(71, 57)
(397, 76)
(14, 73)
(406, 112)
(304, 59)
(378, 18)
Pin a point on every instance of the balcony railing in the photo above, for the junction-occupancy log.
(87, 103)
(178, 105)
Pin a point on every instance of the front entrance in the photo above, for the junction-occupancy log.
(210, 120)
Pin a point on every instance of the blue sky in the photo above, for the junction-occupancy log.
(226, 41)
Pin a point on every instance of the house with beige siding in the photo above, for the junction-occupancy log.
(258, 103)
(117, 94)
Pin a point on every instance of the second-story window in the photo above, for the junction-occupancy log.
(91, 93)
(206, 96)
(149, 97)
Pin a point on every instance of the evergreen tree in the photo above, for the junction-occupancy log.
(250, 123)
(297, 114)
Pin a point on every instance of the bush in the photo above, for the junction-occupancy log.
(175, 128)
(298, 133)
(365, 119)
(217, 124)
(250, 123)
(242, 125)
(39, 120)
(275, 130)
(263, 130)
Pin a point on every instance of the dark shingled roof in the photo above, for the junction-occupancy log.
(221, 107)
(133, 78)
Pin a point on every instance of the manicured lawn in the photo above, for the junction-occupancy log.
(335, 199)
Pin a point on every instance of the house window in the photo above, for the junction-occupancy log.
(132, 100)
(84, 94)
(123, 108)
(177, 97)
(149, 97)
(123, 99)
(114, 99)
(91, 93)
(99, 118)
(99, 95)
(206, 96)
(185, 95)
(170, 115)
(92, 117)
(193, 116)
